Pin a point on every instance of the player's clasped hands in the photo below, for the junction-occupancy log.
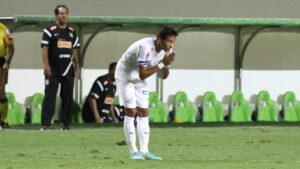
(169, 58)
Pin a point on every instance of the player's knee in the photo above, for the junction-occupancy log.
(142, 112)
(131, 112)
(3, 100)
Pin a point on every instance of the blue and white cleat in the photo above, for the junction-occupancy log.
(150, 156)
(136, 156)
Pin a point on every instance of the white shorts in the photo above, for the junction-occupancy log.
(132, 95)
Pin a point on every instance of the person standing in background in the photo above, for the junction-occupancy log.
(59, 50)
(6, 42)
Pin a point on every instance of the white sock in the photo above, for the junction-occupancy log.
(144, 132)
(130, 133)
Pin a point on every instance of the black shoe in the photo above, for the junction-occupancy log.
(64, 128)
(45, 128)
(4, 125)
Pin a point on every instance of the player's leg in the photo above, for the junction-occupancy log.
(3, 99)
(127, 98)
(48, 107)
(66, 94)
(143, 128)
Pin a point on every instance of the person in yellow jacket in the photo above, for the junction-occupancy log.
(6, 42)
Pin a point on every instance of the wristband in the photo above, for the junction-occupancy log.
(161, 65)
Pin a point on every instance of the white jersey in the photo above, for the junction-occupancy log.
(141, 52)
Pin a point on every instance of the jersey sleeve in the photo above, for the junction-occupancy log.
(47, 35)
(8, 37)
(76, 43)
(96, 89)
(142, 55)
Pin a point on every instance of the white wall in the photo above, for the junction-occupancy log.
(25, 82)
(197, 82)
(274, 81)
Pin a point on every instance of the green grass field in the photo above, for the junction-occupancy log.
(185, 146)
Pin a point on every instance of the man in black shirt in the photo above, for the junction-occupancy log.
(59, 50)
(98, 106)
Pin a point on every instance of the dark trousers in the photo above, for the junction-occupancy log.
(66, 94)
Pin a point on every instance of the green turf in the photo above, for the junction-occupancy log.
(207, 146)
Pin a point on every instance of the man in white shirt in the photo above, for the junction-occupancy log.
(141, 60)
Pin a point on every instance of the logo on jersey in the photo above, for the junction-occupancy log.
(8, 34)
(71, 35)
(129, 100)
(64, 44)
(145, 92)
(108, 100)
(151, 50)
(64, 56)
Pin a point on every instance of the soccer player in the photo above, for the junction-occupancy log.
(59, 50)
(6, 41)
(141, 60)
(98, 106)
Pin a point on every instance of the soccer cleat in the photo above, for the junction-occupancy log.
(4, 125)
(45, 128)
(150, 156)
(65, 128)
(136, 156)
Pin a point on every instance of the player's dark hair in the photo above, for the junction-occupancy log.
(166, 31)
(112, 65)
(60, 6)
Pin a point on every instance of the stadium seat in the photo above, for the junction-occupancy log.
(76, 117)
(36, 108)
(15, 114)
(213, 110)
(183, 109)
(266, 109)
(291, 107)
(116, 100)
(158, 113)
(240, 109)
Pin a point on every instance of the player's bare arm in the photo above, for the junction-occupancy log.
(10, 54)
(77, 64)
(112, 114)
(93, 105)
(47, 69)
(145, 72)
